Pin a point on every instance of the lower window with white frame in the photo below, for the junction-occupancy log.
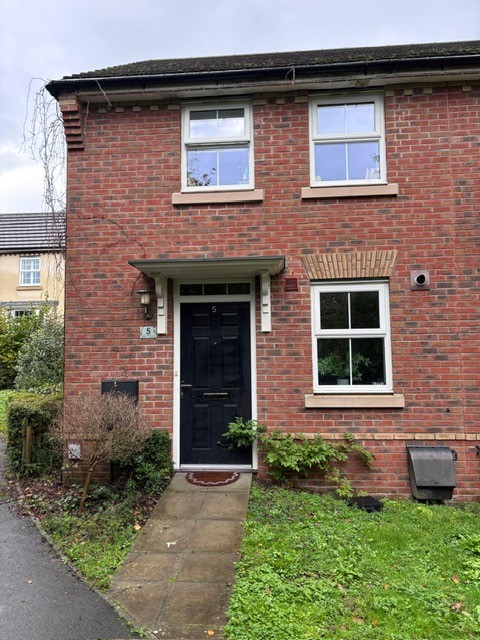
(351, 337)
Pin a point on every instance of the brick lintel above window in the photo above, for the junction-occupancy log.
(355, 264)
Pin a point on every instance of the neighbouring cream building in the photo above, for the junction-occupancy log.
(32, 262)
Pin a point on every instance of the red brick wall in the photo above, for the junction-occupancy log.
(119, 209)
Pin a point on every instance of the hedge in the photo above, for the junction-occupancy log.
(39, 411)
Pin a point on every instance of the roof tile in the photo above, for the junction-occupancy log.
(31, 232)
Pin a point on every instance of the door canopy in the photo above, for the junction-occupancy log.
(207, 268)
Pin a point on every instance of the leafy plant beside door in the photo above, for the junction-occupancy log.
(291, 455)
(243, 433)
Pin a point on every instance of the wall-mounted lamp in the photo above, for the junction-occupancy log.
(145, 302)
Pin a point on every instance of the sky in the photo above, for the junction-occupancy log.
(43, 40)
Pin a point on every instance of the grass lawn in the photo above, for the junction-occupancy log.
(314, 568)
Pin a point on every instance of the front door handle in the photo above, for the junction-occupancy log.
(185, 386)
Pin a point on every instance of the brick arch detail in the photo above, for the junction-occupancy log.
(358, 264)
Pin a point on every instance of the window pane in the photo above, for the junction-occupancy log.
(231, 123)
(30, 264)
(346, 118)
(364, 310)
(237, 288)
(191, 289)
(368, 361)
(201, 168)
(203, 124)
(333, 361)
(334, 310)
(360, 118)
(233, 166)
(363, 161)
(215, 289)
(331, 119)
(213, 123)
(330, 162)
(215, 167)
(366, 366)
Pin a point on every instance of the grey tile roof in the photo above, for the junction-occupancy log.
(287, 60)
(37, 232)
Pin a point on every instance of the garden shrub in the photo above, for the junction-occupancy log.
(291, 455)
(107, 427)
(40, 411)
(40, 358)
(5, 396)
(14, 332)
(150, 470)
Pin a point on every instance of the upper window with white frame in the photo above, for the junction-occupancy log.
(351, 337)
(217, 147)
(347, 140)
(29, 271)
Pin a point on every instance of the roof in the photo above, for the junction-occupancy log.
(285, 59)
(39, 232)
(253, 64)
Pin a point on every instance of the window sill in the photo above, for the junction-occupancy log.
(350, 192)
(28, 287)
(218, 197)
(354, 401)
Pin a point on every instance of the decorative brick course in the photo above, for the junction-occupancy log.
(359, 264)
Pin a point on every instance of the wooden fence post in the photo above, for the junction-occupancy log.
(27, 441)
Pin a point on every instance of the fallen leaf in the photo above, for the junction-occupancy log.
(29, 582)
(374, 622)
(455, 578)
(359, 620)
(137, 527)
(210, 633)
(386, 586)
(456, 606)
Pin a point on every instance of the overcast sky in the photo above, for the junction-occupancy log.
(47, 39)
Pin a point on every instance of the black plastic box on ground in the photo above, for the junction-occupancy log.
(432, 474)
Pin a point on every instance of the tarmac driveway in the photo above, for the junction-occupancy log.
(40, 599)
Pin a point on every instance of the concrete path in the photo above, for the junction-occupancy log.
(40, 599)
(177, 579)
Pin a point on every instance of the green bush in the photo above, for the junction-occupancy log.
(40, 358)
(291, 455)
(14, 332)
(150, 470)
(5, 396)
(40, 411)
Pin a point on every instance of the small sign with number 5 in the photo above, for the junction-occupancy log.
(148, 332)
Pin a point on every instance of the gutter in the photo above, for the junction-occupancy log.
(69, 85)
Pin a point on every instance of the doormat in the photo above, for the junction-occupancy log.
(212, 478)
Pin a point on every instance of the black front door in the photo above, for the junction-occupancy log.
(215, 380)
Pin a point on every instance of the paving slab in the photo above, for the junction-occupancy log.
(177, 579)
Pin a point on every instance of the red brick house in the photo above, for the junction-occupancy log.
(307, 227)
